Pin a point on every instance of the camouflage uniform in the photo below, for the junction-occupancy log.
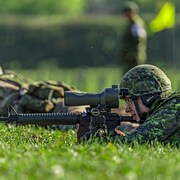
(162, 123)
(133, 41)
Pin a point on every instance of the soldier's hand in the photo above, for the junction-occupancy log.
(119, 132)
(126, 127)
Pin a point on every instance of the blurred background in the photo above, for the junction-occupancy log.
(38, 38)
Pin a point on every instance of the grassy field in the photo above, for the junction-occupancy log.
(88, 79)
(28, 152)
(34, 153)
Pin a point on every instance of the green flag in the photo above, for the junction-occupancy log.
(165, 18)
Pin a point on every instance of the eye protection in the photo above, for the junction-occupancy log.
(129, 99)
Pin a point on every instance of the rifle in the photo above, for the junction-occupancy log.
(98, 112)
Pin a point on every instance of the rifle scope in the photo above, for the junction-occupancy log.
(109, 97)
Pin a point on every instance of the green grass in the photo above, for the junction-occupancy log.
(28, 152)
(86, 79)
(34, 153)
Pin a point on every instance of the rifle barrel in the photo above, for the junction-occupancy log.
(46, 118)
(59, 118)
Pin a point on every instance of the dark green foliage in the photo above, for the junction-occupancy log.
(72, 43)
(80, 41)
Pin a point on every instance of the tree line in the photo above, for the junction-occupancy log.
(76, 7)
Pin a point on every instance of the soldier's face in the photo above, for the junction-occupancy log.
(131, 108)
(129, 15)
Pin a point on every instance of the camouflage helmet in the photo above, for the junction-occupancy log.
(146, 79)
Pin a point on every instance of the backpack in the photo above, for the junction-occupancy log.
(27, 96)
(43, 96)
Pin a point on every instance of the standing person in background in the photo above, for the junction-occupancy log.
(133, 42)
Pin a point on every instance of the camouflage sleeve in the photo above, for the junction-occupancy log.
(163, 126)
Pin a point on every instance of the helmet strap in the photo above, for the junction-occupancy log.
(142, 115)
